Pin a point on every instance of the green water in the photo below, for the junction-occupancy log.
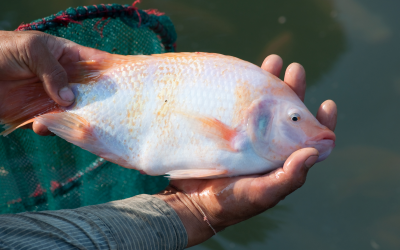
(350, 49)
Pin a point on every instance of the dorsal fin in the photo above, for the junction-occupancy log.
(89, 71)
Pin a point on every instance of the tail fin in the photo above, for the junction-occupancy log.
(22, 104)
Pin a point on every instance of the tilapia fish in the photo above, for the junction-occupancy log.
(185, 115)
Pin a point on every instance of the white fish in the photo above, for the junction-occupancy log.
(186, 115)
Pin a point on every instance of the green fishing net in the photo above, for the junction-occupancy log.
(47, 173)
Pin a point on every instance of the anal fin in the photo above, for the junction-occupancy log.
(196, 173)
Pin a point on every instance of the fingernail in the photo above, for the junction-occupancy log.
(298, 69)
(66, 94)
(311, 161)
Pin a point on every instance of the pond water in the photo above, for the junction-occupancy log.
(350, 50)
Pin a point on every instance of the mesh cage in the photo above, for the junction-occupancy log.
(47, 173)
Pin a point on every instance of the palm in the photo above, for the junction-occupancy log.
(241, 193)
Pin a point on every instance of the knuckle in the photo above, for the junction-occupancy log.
(256, 203)
(32, 45)
(35, 40)
(58, 74)
(31, 40)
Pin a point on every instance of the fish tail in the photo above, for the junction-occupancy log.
(25, 102)
(22, 104)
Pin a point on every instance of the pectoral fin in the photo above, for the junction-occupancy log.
(196, 173)
(216, 130)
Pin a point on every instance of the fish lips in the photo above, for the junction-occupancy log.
(324, 147)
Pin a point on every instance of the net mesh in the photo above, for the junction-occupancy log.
(48, 173)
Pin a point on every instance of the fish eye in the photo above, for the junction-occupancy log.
(295, 117)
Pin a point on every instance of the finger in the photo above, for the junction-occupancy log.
(40, 129)
(43, 63)
(86, 53)
(295, 77)
(285, 180)
(78, 52)
(273, 64)
(327, 114)
(73, 53)
(295, 171)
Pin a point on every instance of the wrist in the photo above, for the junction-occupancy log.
(196, 228)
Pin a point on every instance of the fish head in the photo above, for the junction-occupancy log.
(279, 126)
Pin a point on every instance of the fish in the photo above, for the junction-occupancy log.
(182, 115)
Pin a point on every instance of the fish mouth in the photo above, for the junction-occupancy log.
(326, 135)
(324, 148)
(324, 143)
(325, 151)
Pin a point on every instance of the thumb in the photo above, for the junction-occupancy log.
(283, 181)
(296, 168)
(52, 74)
(276, 185)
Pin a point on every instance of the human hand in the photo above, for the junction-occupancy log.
(35, 57)
(227, 201)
